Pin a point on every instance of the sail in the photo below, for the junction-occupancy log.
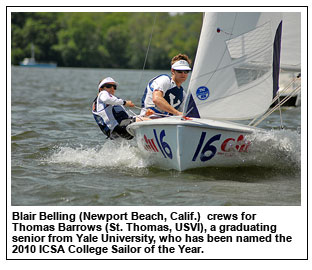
(291, 45)
(232, 75)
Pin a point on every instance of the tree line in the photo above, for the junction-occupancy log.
(104, 40)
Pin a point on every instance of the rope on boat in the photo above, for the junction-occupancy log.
(134, 114)
(280, 110)
(294, 92)
(286, 88)
(279, 103)
(140, 116)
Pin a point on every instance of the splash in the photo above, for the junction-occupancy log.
(111, 154)
(276, 148)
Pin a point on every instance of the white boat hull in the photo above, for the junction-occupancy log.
(185, 144)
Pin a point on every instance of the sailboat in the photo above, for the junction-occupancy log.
(235, 77)
(31, 62)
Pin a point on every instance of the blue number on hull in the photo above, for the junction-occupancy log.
(208, 147)
(201, 141)
(163, 146)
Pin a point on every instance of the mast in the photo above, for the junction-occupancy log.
(32, 48)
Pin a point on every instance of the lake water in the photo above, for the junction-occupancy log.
(60, 157)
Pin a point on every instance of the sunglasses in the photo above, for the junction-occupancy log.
(183, 71)
(109, 85)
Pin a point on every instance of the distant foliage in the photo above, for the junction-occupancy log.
(104, 40)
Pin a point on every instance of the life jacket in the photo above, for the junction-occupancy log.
(118, 112)
(174, 96)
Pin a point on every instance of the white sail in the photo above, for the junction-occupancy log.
(232, 74)
(291, 44)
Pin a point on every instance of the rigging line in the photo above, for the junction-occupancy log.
(136, 115)
(284, 90)
(271, 111)
(133, 113)
(147, 51)
(280, 110)
(295, 91)
(276, 97)
(275, 108)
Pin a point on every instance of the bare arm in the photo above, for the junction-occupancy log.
(110, 99)
(162, 104)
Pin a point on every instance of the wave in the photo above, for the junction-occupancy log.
(29, 134)
(118, 153)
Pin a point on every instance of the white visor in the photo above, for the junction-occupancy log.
(181, 65)
(107, 80)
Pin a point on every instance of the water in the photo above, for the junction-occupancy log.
(60, 157)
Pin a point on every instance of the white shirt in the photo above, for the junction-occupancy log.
(104, 108)
(164, 84)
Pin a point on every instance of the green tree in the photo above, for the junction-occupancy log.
(106, 40)
(116, 42)
(37, 28)
(79, 40)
